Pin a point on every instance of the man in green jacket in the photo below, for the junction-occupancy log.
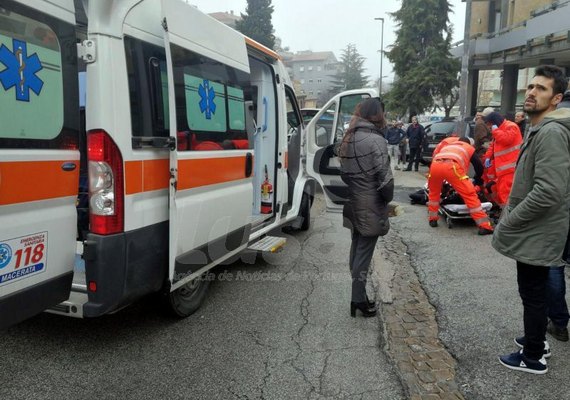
(535, 222)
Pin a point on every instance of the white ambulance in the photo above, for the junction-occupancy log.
(185, 147)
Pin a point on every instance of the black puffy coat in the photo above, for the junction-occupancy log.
(365, 168)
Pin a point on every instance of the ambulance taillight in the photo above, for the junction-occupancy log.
(106, 184)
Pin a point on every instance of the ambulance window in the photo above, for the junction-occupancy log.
(39, 99)
(293, 114)
(148, 88)
(210, 102)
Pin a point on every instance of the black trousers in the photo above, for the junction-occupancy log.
(415, 155)
(361, 251)
(532, 282)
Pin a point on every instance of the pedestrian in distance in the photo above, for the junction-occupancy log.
(520, 120)
(365, 168)
(481, 135)
(394, 135)
(403, 147)
(415, 135)
(451, 159)
(502, 155)
(537, 216)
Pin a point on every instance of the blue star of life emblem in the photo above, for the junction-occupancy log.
(5, 255)
(20, 70)
(207, 95)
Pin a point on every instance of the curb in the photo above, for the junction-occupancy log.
(425, 367)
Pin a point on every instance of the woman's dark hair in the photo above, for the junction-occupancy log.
(371, 110)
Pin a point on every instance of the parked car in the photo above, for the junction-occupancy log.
(308, 113)
(438, 131)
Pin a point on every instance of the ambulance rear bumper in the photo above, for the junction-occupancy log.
(28, 302)
(122, 268)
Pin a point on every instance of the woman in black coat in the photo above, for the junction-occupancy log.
(365, 168)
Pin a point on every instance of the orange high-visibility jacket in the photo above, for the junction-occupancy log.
(505, 148)
(452, 149)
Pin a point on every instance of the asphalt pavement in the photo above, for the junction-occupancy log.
(276, 329)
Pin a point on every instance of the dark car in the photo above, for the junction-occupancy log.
(438, 131)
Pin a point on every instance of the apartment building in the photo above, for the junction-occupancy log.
(508, 38)
(315, 73)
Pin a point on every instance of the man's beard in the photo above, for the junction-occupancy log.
(534, 108)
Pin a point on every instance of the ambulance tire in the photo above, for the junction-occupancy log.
(305, 212)
(187, 299)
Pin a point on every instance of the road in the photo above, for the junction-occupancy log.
(276, 329)
(279, 328)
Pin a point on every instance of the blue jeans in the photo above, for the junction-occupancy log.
(556, 297)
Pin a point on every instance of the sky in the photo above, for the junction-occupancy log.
(329, 25)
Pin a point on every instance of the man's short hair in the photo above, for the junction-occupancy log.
(553, 72)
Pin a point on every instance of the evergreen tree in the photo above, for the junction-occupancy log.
(424, 67)
(351, 70)
(256, 23)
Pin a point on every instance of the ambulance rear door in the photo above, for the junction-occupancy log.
(39, 160)
(324, 134)
(211, 190)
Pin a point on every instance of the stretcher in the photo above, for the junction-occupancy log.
(454, 212)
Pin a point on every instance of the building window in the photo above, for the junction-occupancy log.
(301, 68)
(302, 81)
(310, 68)
(319, 68)
(319, 92)
(310, 81)
(311, 93)
(319, 81)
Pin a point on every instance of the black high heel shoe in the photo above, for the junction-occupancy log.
(364, 308)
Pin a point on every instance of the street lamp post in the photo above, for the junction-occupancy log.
(381, 55)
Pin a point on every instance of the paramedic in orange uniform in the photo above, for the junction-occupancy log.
(451, 160)
(501, 156)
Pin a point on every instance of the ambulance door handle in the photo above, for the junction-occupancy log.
(68, 166)
(248, 164)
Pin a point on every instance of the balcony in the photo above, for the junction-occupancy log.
(544, 36)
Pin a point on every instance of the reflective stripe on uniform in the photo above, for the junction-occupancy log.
(504, 167)
(503, 152)
(433, 213)
(481, 221)
(432, 203)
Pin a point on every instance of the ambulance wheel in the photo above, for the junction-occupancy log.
(305, 212)
(449, 223)
(187, 299)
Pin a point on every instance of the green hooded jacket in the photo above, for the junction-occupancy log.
(534, 225)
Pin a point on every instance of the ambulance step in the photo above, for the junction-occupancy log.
(268, 244)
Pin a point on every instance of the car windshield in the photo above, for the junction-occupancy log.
(443, 127)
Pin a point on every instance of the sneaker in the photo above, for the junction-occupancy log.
(520, 341)
(433, 224)
(520, 362)
(556, 332)
(397, 167)
(484, 231)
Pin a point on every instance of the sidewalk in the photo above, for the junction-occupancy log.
(426, 369)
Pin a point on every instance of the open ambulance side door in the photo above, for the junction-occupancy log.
(211, 187)
(39, 157)
(323, 136)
